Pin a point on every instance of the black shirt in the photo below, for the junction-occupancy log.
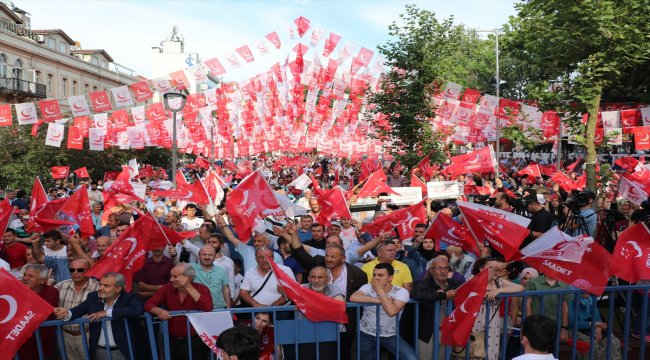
(541, 221)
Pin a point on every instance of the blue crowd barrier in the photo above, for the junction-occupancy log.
(291, 329)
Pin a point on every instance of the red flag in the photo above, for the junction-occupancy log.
(631, 191)
(82, 172)
(180, 80)
(77, 209)
(367, 167)
(530, 170)
(75, 138)
(629, 260)
(375, 185)
(146, 171)
(444, 228)
(575, 165)
(60, 172)
(274, 39)
(479, 161)
(402, 220)
(426, 170)
(195, 193)
(627, 162)
(504, 230)
(457, 327)
(642, 138)
(302, 24)
(128, 253)
(214, 186)
(142, 91)
(245, 52)
(6, 211)
(181, 182)
(590, 273)
(99, 101)
(24, 314)
(110, 176)
(248, 201)
(315, 306)
(564, 181)
(5, 115)
(122, 184)
(416, 182)
(200, 161)
(39, 199)
(318, 191)
(50, 110)
(333, 206)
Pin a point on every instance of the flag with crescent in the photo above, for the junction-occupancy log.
(457, 327)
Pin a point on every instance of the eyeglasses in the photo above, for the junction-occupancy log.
(77, 270)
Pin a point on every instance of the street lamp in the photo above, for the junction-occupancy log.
(174, 102)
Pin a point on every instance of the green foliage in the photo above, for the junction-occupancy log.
(23, 157)
(424, 54)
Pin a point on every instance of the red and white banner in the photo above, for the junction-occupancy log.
(630, 260)
(50, 110)
(54, 135)
(444, 228)
(60, 172)
(457, 327)
(100, 101)
(641, 138)
(82, 172)
(479, 161)
(26, 113)
(556, 245)
(631, 191)
(402, 220)
(210, 325)
(504, 230)
(531, 170)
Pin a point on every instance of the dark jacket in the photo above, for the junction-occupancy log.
(128, 307)
(429, 293)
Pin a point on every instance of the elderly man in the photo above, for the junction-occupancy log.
(459, 261)
(72, 293)
(435, 286)
(246, 251)
(214, 277)
(391, 300)
(34, 278)
(386, 252)
(182, 293)
(110, 300)
(260, 286)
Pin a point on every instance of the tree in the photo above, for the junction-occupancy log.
(424, 54)
(23, 157)
(585, 49)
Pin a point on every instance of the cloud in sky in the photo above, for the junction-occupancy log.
(128, 29)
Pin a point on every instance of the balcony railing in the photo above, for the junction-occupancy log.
(22, 87)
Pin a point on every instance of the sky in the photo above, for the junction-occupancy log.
(128, 29)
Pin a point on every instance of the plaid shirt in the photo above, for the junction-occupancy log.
(69, 297)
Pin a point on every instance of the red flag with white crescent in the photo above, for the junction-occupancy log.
(60, 172)
(631, 254)
(444, 228)
(456, 328)
(82, 172)
(195, 193)
(530, 170)
(375, 185)
(403, 220)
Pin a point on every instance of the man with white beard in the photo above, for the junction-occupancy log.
(459, 261)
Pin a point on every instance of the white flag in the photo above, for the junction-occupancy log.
(26, 113)
(301, 182)
(210, 325)
(631, 191)
(136, 137)
(122, 96)
(645, 115)
(611, 119)
(54, 134)
(78, 105)
(101, 120)
(556, 245)
(96, 139)
(162, 85)
(138, 115)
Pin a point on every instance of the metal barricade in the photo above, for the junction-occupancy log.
(625, 310)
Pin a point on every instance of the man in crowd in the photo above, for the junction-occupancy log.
(392, 300)
(541, 220)
(260, 286)
(72, 293)
(181, 293)
(314, 206)
(460, 262)
(434, 291)
(239, 343)
(96, 215)
(538, 334)
(304, 232)
(53, 254)
(154, 273)
(110, 300)
(214, 277)
(35, 278)
(190, 221)
(13, 251)
(386, 252)
(284, 248)
(550, 309)
(246, 251)
(318, 237)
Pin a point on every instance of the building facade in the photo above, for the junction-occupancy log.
(39, 64)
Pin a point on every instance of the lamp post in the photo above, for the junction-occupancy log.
(174, 102)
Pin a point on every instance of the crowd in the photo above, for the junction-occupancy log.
(218, 270)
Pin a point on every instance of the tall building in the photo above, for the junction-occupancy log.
(37, 64)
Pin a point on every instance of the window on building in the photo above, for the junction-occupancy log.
(18, 69)
(51, 43)
(95, 60)
(64, 85)
(3, 65)
(104, 64)
(94, 88)
(73, 90)
(49, 83)
(63, 47)
(86, 87)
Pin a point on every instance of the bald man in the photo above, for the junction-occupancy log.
(214, 277)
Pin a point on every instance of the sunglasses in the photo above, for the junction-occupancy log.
(77, 270)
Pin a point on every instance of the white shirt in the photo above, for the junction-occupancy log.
(191, 224)
(342, 281)
(387, 324)
(535, 357)
(4, 265)
(253, 280)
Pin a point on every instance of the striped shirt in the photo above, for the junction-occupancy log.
(69, 297)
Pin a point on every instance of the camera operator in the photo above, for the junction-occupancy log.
(581, 218)
(540, 219)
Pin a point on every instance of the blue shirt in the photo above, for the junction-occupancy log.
(304, 235)
(590, 220)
